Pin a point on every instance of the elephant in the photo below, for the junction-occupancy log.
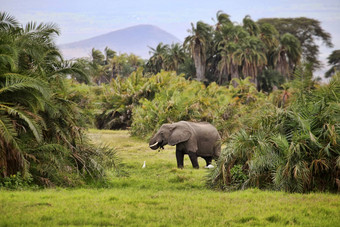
(195, 139)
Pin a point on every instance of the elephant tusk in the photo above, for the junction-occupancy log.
(153, 144)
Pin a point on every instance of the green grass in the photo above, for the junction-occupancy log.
(162, 195)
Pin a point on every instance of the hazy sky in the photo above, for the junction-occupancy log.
(81, 19)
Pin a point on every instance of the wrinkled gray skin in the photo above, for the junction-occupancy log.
(194, 139)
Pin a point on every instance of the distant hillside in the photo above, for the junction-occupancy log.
(134, 40)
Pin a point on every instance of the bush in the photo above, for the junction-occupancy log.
(88, 99)
(41, 126)
(145, 102)
(120, 97)
(179, 99)
(15, 181)
(295, 149)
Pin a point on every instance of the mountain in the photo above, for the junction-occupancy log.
(134, 40)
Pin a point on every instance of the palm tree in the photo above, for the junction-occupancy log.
(199, 42)
(222, 19)
(221, 58)
(174, 57)
(97, 57)
(21, 97)
(7, 22)
(334, 61)
(286, 55)
(251, 26)
(226, 65)
(251, 57)
(109, 54)
(134, 61)
(157, 59)
(231, 38)
(269, 36)
(40, 128)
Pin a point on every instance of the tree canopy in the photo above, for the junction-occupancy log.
(334, 61)
(307, 31)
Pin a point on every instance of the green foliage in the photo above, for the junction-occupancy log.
(237, 174)
(269, 80)
(224, 51)
(41, 134)
(15, 181)
(145, 103)
(88, 99)
(119, 99)
(334, 61)
(179, 99)
(103, 67)
(307, 31)
(294, 149)
(166, 57)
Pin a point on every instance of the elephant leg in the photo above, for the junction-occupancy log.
(193, 159)
(208, 160)
(179, 158)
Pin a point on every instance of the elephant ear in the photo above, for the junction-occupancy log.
(179, 135)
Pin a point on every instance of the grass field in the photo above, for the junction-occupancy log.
(162, 195)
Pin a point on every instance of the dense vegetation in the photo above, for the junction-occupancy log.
(268, 51)
(280, 126)
(295, 148)
(288, 140)
(41, 134)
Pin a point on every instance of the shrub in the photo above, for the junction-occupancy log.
(120, 97)
(179, 99)
(15, 181)
(41, 134)
(294, 149)
(88, 99)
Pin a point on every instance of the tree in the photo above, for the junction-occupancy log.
(156, 61)
(40, 128)
(250, 56)
(222, 19)
(334, 61)
(227, 65)
(97, 57)
(286, 55)
(250, 26)
(307, 31)
(109, 54)
(199, 42)
(123, 65)
(174, 57)
(270, 37)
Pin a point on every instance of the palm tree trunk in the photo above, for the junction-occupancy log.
(199, 64)
(234, 74)
(11, 161)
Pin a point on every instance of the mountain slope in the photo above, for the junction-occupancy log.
(134, 40)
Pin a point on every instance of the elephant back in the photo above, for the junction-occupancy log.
(207, 138)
